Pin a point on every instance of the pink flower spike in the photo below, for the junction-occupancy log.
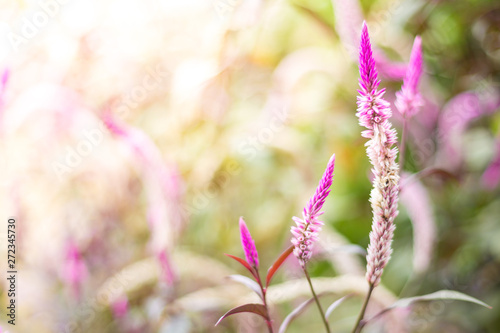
(374, 113)
(248, 245)
(307, 230)
(408, 99)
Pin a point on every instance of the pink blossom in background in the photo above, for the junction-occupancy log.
(415, 198)
(374, 113)
(455, 117)
(491, 177)
(75, 270)
(389, 69)
(162, 191)
(307, 228)
(248, 245)
(348, 17)
(3, 86)
(119, 307)
(428, 115)
(408, 99)
(166, 268)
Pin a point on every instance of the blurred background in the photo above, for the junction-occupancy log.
(134, 134)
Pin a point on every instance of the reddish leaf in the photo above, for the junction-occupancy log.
(277, 264)
(243, 262)
(253, 308)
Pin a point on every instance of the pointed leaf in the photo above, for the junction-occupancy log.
(243, 262)
(277, 264)
(253, 308)
(294, 314)
(335, 305)
(442, 294)
(249, 283)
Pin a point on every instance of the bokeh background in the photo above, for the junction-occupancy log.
(134, 134)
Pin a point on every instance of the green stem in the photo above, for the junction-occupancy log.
(357, 327)
(317, 300)
(268, 319)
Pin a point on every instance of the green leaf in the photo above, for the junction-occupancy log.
(438, 295)
(335, 305)
(294, 314)
(442, 294)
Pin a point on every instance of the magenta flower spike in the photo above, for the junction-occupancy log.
(308, 227)
(408, 99)
(248, 245)
(374, 113)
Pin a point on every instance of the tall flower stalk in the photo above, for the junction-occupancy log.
(307, 228)
(374, 113)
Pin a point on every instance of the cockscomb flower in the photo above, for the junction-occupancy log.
(308, 227)
(373, 113)
(248, 245)
(408, 99)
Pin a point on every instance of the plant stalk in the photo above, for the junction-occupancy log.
(357, 327)
(268, 319)
(317, 300)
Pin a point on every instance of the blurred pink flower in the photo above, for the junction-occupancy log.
(455, 117)
(166, 267)
(3, 85)
(308, 227)
(120, 307)
(408, 99)
(415, 198)
(374, 113)
(162, 190)
(348, 17)
(491, 177)
(75, 270)
(248, 245)
(389, 69)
